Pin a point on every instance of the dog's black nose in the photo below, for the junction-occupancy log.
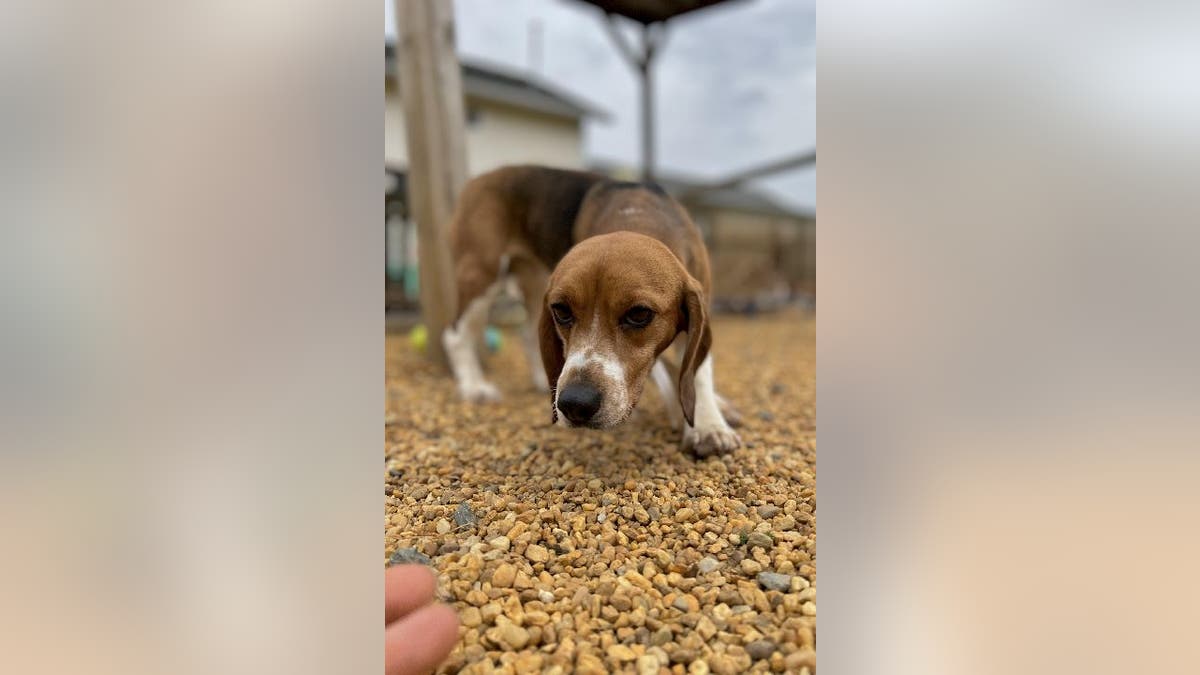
(579, 402)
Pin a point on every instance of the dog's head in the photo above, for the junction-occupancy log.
(613, 304)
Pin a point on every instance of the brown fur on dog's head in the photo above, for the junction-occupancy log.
(612, 305)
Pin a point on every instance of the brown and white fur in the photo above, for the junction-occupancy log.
(630, 278)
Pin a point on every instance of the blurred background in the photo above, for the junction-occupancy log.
(731, 110)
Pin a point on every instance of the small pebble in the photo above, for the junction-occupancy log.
(759, 539)
(509, 634)
(404, 556)
(801, 658)
(490, 611)
(760, 649)
(620, 653)
(768, 510)
(687, 603)
(707, 565)
(775, 582)
(504, 575)
(589, 664)
(683, 655)
(723, 665)
(536, 553)
(470, 617)
(464, 517)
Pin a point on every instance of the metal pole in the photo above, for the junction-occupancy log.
(646, 69)
(653, 35)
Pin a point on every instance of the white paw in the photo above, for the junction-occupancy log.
(479, 392)
(717, 439)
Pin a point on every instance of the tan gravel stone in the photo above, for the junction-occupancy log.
(528, 662)
(587, 664)
(801, 658)
(647, 665)
(687, 602)
(590, 541)
(621, 653)
(490, 611)
(508, 634)
(470, 617)
(537, 554)
(504, 575)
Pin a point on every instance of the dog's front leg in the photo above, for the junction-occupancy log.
(711, 434)
(666, 386)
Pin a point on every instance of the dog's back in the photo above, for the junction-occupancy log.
(534, 207)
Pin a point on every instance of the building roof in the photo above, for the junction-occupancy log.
(491, 82)
(650, 11)
(739, 198)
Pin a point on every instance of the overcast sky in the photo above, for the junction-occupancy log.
(736, 83)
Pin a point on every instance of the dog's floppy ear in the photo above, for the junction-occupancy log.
(552, 354)
(695, 321)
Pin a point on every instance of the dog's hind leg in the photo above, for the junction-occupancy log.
(531, 277)
(478, 285)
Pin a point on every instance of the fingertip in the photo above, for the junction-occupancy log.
(407, 588)
(420, 641)
(443, 619)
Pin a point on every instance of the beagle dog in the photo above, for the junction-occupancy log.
(613, 273)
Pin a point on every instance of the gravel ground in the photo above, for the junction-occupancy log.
(593, 551)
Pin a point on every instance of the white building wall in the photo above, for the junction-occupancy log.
(395, 144)
(507, 135)
(497, 135)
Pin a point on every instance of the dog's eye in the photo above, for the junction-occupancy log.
(562, 314)
(638, 317)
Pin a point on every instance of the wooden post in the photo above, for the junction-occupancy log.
(431, 88)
